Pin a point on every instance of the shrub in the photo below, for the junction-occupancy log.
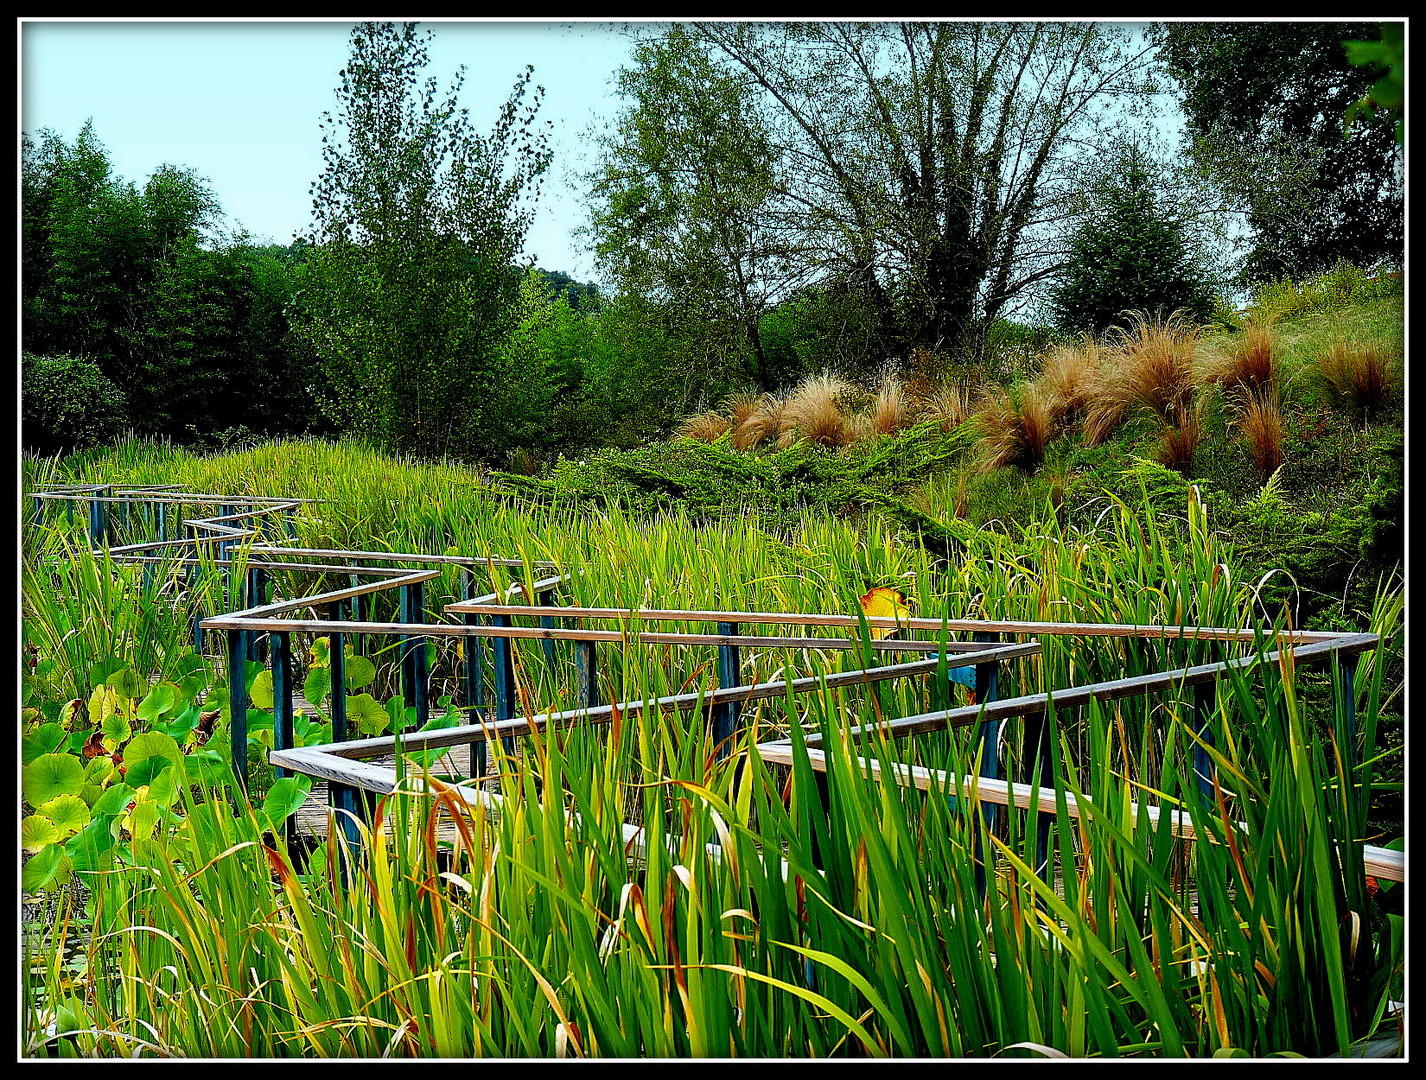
(1131, 253)
(68, 403)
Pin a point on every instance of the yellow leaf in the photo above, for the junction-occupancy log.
(887, 603)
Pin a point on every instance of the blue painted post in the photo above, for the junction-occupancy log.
(98, 518)
(586, 679)
(473, 679)
(551, 661)
(1204, 699)
(730, 673)
(238, 704)
(414, 665)
(283, 734)
(361, 607)
(340, 796)
(1038, 733)
(225, 549)
(504, 678)
(256, 596)
(986, 684)
(161, 515)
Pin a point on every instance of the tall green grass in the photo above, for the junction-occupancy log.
(746, 917)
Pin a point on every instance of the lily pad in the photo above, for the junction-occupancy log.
(49, 776)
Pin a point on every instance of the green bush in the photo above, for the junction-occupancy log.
(67, 403)
(1130, 254)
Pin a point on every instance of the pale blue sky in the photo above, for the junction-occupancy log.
(239, 103)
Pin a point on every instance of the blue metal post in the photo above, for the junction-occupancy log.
(504, 678)
(238, 704)
(987, 747)
(98, 518)
(473, 678)
(1038, 734)
(340, 796)
(283, 734)
(414, 665)
(730, 673)
(256, 596)
(586, 680)
(1204, 699)
(551, 661)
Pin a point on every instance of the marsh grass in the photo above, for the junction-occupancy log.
(745, 916)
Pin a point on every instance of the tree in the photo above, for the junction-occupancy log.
(921, 164)
(137, 281)
(1129, 253)
(681, 195)
(1264, 104)
(409, 287)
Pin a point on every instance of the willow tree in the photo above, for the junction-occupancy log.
(410, 289)
(925, 163)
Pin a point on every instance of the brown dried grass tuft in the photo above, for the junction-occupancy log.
(705, 427)
(1357, 374)
(1261, 425)
(891, 410)
(1148, 364)
(762, 425)
(950, 404)
(1068, 376)
(740, 406)
(1248, 366)
(1180, 442)
(1017, 426)
(815, 411)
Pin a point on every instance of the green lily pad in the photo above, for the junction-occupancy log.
(68, 812)
(38, 832)
(163, 698)
(49, 776)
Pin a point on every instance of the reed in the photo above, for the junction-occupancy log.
(744, 913)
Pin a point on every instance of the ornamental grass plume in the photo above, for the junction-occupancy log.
(950, 404)
(1357, 375)
(1150, 367)
(761, 425)
(1261, 424)
(1068, 376)
(1017, 425)
(891, 410)
(705, 427)
(815, 411)
(1248, 366)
